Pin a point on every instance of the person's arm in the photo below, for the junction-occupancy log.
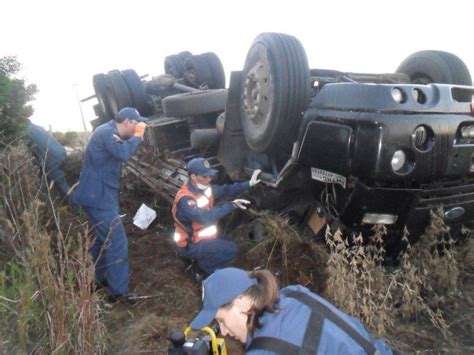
(230, 190)
(189, 212)
(119, 148)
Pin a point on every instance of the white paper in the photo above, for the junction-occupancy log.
(144, 216)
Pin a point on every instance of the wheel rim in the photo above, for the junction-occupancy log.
(258, 93)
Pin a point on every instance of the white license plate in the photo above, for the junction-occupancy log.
(328, 177)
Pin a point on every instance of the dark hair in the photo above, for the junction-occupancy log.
(264, 294)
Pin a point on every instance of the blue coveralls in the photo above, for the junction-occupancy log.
(210, 255)
(290, 323)
(98, 193)
(51, 153)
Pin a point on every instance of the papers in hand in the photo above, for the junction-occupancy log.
(144, 216)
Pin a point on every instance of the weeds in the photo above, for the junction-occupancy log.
(293, 258)
(422, 286)
(47, 273)
(357, 281)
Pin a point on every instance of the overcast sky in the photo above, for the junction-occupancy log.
(64, 43)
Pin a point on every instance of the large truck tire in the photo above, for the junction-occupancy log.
(195, 103)
(118, 95)
(99, 81)
(425, 67)
(275, 91)
(174, 64)
(137, 92)
(217, 70)
(198, 72)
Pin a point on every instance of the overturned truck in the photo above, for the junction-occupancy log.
(345, 150)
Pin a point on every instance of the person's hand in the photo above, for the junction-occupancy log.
(254, 179)
(241, 203)
(140, 129)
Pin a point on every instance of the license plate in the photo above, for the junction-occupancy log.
(328, 177)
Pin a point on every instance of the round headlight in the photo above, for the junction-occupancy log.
(398, 160)
(398, 95)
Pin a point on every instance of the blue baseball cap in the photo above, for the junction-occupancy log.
(219, 289)
(130, 113)
(200, 166)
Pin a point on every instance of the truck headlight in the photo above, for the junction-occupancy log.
(398, 95)
(467, 132)
(398, 160)
(379, 218)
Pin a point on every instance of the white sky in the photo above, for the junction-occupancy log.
(61, 43)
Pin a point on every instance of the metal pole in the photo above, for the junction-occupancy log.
(80, 106)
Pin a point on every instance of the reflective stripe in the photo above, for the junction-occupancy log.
(207, 232)
(202, 201)
(208, 192)
(176, 237)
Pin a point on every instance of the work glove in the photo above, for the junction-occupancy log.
(241, 203)
(139, 129)
(253, 180)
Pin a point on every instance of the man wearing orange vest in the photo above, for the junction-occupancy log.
(195, 216)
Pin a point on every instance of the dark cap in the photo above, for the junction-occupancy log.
(200, 166)
(219, 289)
(130, 113)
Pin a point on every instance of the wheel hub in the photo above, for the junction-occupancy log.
(257, 93)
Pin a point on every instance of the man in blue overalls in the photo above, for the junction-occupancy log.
(196, 216)
(50, 154)
(110, 145)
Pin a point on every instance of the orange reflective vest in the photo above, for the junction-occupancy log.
(200, 231)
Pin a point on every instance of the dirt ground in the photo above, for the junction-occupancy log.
(172, 297)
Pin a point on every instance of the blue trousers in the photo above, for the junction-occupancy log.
(56, 173)
(210, 255)
(110, 249)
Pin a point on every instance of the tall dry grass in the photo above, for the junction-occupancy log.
(420, 287)
(47, 304)
(357, 281)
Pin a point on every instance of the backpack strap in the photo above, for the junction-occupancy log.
(312, 335)
(314, 327)
(275, 345)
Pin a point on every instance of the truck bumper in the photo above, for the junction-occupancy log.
(411, 207)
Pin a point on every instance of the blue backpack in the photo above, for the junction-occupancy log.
(314, 330)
